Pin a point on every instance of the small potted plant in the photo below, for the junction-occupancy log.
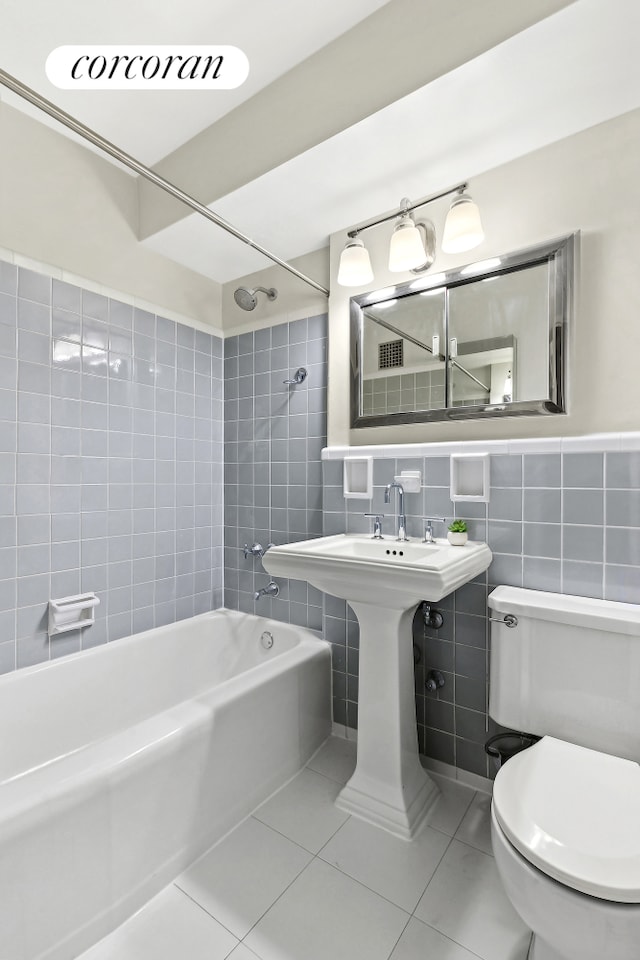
(457, 535)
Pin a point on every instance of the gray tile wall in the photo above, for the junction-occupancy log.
(274, 435)
(110, 465)
(564, 523)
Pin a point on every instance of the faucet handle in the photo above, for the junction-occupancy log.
(428, 529)
(377, 525)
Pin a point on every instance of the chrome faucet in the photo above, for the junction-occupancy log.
(402, 520)
(271, 590)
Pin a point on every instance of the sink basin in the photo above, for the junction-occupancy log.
(384, 572)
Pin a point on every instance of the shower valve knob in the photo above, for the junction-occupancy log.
(299, 377)
(434, 681)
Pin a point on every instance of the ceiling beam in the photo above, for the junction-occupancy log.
(398, 49)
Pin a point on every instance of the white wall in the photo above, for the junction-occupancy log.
(64, 206)
(587, 182)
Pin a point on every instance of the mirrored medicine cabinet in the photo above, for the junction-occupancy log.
(486, 340)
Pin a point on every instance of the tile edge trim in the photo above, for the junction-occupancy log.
(596, 443)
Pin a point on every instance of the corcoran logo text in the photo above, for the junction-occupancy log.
(147, 67)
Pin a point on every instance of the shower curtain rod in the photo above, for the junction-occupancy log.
(125, 158)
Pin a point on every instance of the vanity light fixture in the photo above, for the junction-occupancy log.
(355, 265)
(463, 227)
(413, 244)
(407, 249)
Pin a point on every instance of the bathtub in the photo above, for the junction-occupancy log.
(119, 766)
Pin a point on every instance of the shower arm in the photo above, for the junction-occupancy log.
(16, 86)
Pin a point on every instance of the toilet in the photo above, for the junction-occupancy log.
(565, 814)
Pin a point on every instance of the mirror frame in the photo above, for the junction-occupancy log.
(559, 255)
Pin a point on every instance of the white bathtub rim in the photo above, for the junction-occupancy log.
(102, 649)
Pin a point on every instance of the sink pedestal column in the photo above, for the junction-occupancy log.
(389, 786)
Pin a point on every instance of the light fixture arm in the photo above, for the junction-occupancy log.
(428, 232)
(405, 208)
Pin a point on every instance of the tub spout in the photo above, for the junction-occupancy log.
(271, 590)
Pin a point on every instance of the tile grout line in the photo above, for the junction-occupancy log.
(390, 954)
(429, 881)
(197, 903)
(451, 940)
(317, 856)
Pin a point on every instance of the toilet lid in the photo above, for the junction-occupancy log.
(575, 814)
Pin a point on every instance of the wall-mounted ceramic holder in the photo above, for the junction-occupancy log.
(357, 482)
(410, 480)
(72, 613)
(470, 477)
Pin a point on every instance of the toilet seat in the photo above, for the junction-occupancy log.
(575, 814)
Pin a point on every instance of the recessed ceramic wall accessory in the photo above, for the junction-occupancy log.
(72, 613)
(470, 477)
(358, 478)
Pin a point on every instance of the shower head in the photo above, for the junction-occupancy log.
(247, 300)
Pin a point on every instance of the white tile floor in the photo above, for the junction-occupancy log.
(300, 880)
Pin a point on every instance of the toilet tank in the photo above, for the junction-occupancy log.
(569, 669)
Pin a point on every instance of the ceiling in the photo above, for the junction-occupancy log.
(574, 69)
(271, 34)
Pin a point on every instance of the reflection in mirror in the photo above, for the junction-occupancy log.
(485, 372)
(485, 340)
(401, 370)
(508, 309)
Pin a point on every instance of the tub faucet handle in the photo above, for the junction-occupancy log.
(255, 550)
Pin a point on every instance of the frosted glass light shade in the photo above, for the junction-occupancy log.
(355, 265)
(462, 228)
(406, 250)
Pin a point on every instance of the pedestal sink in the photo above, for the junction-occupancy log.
(383, 581)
